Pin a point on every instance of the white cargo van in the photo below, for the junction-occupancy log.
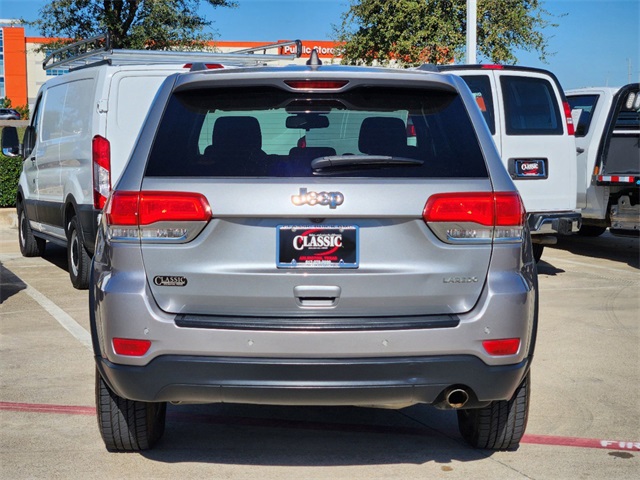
(530, 120)
(82, 130)
(608, 140)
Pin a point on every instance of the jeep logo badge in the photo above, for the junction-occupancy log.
(333, 199)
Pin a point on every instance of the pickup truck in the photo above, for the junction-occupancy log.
(608, 143)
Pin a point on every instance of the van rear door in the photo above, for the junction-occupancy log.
(537, 148)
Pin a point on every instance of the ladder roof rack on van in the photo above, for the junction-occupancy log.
(97, 50)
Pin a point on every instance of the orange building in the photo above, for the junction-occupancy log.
(13, 65)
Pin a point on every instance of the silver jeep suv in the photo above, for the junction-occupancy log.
(314, 235)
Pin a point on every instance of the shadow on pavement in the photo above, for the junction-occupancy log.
(56, 255)
(311, 436)
(606, 246)
(545, 268)
(10, 284)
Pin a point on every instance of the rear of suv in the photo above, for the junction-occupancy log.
(314, 235)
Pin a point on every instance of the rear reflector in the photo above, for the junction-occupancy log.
(499, 348)
(131, 347)
(316, 84)
(475, 216)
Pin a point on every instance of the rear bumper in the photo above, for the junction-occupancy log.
(557, 223)
(372, 381)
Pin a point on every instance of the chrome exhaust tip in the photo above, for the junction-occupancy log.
(457, 398)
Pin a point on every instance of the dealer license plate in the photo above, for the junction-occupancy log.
(314, 246)
(534, 168)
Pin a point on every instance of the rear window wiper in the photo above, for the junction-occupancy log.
(340, 161)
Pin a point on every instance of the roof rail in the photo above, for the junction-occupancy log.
(97, 50)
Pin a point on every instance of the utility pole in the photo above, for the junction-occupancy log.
(472, 6)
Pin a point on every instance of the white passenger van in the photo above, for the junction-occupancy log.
(82, 130)
(530, 120)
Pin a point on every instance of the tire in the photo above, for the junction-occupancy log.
(500, 425)
(30, 245)
(538, 248)
(127, 425)
(591, 231)
(79, 261)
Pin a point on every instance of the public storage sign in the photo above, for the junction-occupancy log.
(326, 49)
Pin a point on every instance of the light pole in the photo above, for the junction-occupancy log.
(472, 6)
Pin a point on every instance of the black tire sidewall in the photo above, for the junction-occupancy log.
(30, 246)
(79, 270)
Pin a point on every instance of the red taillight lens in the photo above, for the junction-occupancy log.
(475, 216)
(145, 208)
(131, 347)
(210, 66)
(101, 155)
(156, 216)
(499, 348)
(122, 209)
(567, 113)
(316, 84)
(493, 67)
(460, 207)
(509, 209)
(173, 207)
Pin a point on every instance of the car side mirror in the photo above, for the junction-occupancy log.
(10, 142)
(29, 141)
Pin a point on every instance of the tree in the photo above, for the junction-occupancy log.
(136, 24)
(412, 32)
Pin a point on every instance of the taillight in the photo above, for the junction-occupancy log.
(492, 67)
(502, 347)
(101, 156)
(475, 217)
(156, 216)
(209, 66)
(567, 113)
(316, 84)
(131, 347)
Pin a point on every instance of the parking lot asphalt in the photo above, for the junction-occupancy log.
(584, 421)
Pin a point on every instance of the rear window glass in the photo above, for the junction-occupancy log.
(480, 86)
(586, 104)
(268, 132)
(531, 107)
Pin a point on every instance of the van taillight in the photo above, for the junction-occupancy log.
(475, 217)
(567, 113)
(101, 156)
(208, 66)
(156, 216)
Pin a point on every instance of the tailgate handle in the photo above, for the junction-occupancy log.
(317, 295)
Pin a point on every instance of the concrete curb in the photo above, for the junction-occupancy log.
(9, 217)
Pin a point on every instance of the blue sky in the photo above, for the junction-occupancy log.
(594, 44)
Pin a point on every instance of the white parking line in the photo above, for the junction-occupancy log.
(62, 317)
